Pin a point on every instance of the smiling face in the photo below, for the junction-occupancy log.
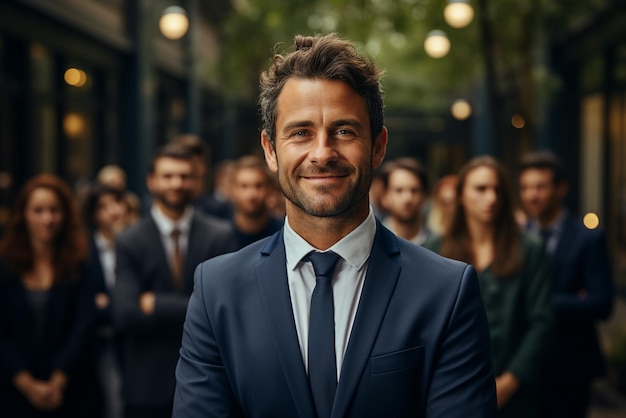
(323, 153)
(480, 195)
(43, 215)
(171, 183)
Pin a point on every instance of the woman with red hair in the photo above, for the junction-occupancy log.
(46, 307)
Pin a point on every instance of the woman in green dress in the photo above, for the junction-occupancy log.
(514, 281)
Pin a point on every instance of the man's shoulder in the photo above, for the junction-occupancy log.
(416, 258)
(574, 228)
(211, 222)
(224, 268)
(137, 231)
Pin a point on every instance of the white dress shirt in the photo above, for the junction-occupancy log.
(348, 277)
(106, 254)
(165, 226)
(555, 229)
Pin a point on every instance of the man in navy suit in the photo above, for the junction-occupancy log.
(155, 261)
(582, 293)
(408, 332)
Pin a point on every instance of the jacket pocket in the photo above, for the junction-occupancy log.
(397, 361)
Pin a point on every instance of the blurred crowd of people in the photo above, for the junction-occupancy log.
(94, 283)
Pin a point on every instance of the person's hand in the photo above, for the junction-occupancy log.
(57, 382)
(146, 303)
(102, 300)
(41, 394)
(506, 386)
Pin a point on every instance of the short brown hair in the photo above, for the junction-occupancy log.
(544, 160)
(252, 161)
(325, 57)
(409, 164)
(171, 150)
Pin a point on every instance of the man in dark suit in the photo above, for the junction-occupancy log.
(155, 262)
(582, 292)
(332, 315)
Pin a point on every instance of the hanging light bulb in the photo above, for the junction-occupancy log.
(437, 44)
(461, 109)
(174, 22)
(458, 13)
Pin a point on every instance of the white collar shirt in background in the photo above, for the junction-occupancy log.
(418, 239)
(348, 278)
(555, 231)
(165, 226)
(106, 254)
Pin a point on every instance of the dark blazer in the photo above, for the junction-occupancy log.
(103, 317)
(64, 343)
(580, 263)
(151, 342)
(419, 345)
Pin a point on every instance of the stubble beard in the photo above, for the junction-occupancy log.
(323, 204)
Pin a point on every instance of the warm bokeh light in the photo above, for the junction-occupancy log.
(458, 13)
(518, 121)
(461, 109)
(437, 44)
(591, 220)
(174, 22)
(74, 125)
(75, 77)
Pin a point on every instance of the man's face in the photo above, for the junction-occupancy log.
(171, 183)
(480, 195)
(404, 196)
(539, 194)
(323, 153)
(249, 190)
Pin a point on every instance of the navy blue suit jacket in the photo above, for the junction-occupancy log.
(580, 264)
(419, 345)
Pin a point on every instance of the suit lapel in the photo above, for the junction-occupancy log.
(380, 281)
(196, 248)
(271, 275)
(153, 238)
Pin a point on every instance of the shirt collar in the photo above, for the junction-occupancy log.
(555, 227)
(351, 247)
(165, 225)
(101, 242)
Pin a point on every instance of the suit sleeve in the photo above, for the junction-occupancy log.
(597, 301)
(528, 360)
(463, 383)
(202, 386)
(127, 314)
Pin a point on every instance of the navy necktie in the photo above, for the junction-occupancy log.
(322, 361)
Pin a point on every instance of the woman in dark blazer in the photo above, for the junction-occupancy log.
(46, 307)
(514, 281)
(105, 216)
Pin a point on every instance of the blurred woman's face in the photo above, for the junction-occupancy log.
(43, 215)
(479, 196)
(110, 213)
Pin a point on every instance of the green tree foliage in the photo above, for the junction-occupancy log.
(512, 33)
